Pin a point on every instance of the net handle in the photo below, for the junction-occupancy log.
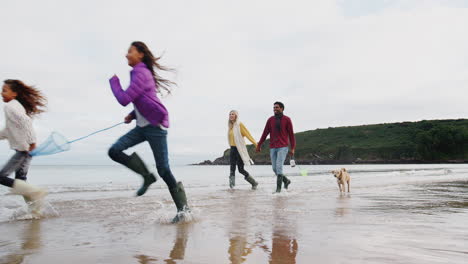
(99, 131)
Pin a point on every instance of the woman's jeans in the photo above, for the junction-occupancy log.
(157, 138)
(19, 164)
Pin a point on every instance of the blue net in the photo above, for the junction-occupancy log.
(57, 143)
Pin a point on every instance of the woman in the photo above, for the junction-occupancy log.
(152, 122)
(239, 155)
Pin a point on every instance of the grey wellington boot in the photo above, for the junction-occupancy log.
(232, 180)
(252, 181)
(137, 165)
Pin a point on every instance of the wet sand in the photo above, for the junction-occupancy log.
(422, 220)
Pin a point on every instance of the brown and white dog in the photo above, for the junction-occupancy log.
(342, 177)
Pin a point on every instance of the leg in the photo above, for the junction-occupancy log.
(20, 164)
(281, 157)
(132, 138)
(35, 206)
(282, 154)
(348, 185)
(247, 177)
(276, 169)
(157, 138)
(22, 171)
(133, 162)
(339, 186)
(240, 165)
(279, 182)
(12, 165)
(273, 154)
(233, 160)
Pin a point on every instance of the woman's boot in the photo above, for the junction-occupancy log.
(232, 180)
(137, 165)
(252, 181)
(180, 200)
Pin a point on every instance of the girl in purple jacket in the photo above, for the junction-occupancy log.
(151, 122)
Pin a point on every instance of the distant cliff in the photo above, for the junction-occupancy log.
(433, 141)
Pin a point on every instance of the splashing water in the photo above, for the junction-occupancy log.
(34, 210)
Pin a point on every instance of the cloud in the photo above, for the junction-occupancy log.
(331, 63)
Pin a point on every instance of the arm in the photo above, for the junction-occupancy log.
(292, 138)
(247, 134)
(3, 134)
(128, 119)
(132, 114)
(22, 122)
(133, 91)
(266, 131)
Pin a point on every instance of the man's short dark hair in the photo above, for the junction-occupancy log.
(281, 105)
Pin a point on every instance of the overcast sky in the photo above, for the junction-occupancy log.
(332, 63)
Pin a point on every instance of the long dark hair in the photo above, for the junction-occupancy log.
(152, 63)
(31, 98)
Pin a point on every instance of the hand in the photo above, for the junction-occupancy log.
(114, 76)
(32, 146)
(128, 119)
(291, 152)
(258, 149)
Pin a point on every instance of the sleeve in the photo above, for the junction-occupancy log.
(266, 131)
(292, 138)
(133, 91)
(31, 135)
(247, 134)
(21, 122)
(132, 114)
(3, 134)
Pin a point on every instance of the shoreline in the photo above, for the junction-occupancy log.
(339, 162)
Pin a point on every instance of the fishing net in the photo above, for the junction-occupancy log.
(55, 143)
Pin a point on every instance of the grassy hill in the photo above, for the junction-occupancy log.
(433, 141)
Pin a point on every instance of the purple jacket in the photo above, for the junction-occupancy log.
(142, 93)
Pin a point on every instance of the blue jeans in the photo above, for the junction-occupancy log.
(157, 138)
(19, 164)
(278, 156)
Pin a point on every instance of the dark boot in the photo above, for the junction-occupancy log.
(286, 182)
(279, 182)
(180, 200)
(137, 165)
(232, 180)
(252, 181)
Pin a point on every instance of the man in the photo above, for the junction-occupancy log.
(281, 133)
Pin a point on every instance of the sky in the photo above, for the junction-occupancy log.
(332, 63)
